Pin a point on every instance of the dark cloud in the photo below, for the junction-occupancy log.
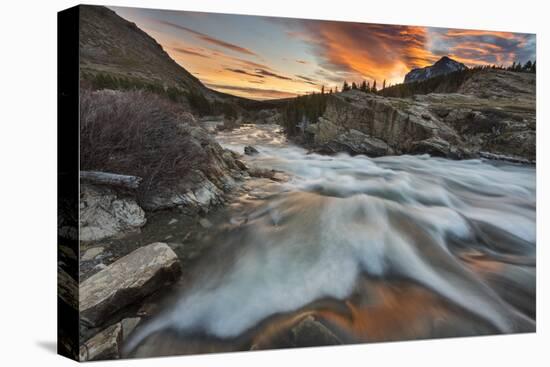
(209, 39)
(256, 92)
(307, 79)
(269, 73)
(188, 51)
(240, 71)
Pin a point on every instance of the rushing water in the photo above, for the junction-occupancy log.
(401, 241)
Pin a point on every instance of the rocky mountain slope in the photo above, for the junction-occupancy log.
(113, 47)
(492, 114)
(443, 66)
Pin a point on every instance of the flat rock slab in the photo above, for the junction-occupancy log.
(127, 280)
(104, 345)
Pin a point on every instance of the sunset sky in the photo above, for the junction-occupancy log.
(265, 57)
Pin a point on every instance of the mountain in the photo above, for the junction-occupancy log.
(111, 47)
(445, 65)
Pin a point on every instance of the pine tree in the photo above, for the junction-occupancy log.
(534, 67)
(363, 87)
(384, 84)
(353, 85)
(374, 87)
(528, 65)
(345, 86)
(322, 89)
(330, 91)
(513, 67)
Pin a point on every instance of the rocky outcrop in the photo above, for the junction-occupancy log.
(104, 213)
(127, 280)
(443, 66)
(452, 125)
(389, 125)
(204, 187)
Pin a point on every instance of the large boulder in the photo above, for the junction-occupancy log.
(126, 281)
(105, 213)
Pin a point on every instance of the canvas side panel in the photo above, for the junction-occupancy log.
(67, 182)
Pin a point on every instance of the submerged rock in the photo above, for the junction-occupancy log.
(310, 333)
(127, 280)
(250, 150)
(105, 213)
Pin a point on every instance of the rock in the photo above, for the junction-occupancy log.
(311, 333)
(104, 345)
(250, 150)
(105, 213)
(355, 142)
(435, 147)
(92, 253)
(127, 280)
(323, 131)
(241, 164)
(128, 326)
(203, 195)
(67, 288)
(205, 223)
(267, 173)
(172, 221)
(100, 266)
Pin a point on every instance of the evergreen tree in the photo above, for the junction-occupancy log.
(345, 86)
(384, 84)
(534, 67)
(528, 65)
(363, 87)
(322, 89)
(353, 85)
(373, 89)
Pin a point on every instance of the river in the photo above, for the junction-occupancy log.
(390, 248)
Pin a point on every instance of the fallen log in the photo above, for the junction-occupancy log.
(111, 179)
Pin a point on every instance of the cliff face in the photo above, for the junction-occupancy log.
(485, 117)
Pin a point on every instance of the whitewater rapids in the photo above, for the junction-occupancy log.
(461, 230)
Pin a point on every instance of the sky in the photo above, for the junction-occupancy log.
(266, 57)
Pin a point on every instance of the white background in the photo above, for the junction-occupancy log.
(28, 183)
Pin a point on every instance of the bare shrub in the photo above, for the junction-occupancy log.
(137, 133)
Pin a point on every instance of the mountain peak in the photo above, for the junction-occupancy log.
(444, 65)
